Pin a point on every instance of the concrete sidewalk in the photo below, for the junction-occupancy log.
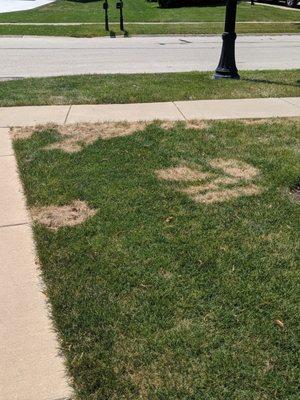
(30, 365)
(178, 110)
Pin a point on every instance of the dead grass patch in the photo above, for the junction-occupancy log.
(166, 274)
(196, 124)
(168, 124)
(295, 192)
(220, 196)
(54, 217)
(192, 124)
(235, 168)
(25, 132)
(76, 136)
(214, 185)
(181, 173)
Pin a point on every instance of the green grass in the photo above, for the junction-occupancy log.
(108, 89)
(142, 11)
(191, 29)
(157, 297)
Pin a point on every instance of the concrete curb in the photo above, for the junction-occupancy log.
(30, 365)
(173, 111)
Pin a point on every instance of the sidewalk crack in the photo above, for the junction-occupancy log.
(288, 102)
(11, 225)
(67, 116)
(178, 109)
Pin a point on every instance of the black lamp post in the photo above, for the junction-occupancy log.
(105, 8)
(227, 67)
(119, 6)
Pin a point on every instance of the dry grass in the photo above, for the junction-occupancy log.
(295, 192)
(236, 168)
(182, 173)
(215, 184)
(219, 196)
(54, 217)
(76, 136)
(25, 132)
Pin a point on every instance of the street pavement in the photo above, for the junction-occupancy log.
(18, 5)
(53, 56)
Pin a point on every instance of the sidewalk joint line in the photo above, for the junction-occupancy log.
(179, 110)
(12, 225)
(67, 116)
(6, 155)
(288, 102)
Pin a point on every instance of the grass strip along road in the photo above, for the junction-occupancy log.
(142, 11)
(114, 89)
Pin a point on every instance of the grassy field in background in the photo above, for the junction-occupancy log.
(143, 11)
(131, 29)
(160, 297)
(109, 89)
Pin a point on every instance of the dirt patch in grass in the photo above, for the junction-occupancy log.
(235, 168)
(219, 196)
(54, 217)
(295, 192)
(182, 173)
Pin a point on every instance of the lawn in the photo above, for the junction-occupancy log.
(147, 29)
(109, 89)
(172, 288)
(142, 11)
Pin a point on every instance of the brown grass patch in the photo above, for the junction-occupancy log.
(166, 274)
(214, 185)
(181, 173)
(295, 192)
(55, 217)
(168, 124)
(197, 124)
(23, 133)
(76, 136)
(236, 168)
(257, 121)
(220, 196)
(192, 124)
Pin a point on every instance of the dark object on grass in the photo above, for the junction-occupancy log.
(105, 8)
(227, 67)
(119, 6)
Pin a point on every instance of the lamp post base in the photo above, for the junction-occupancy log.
(227, 68)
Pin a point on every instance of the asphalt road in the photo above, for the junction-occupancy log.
(52, 56)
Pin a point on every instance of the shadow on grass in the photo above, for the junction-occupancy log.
(296, 84)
